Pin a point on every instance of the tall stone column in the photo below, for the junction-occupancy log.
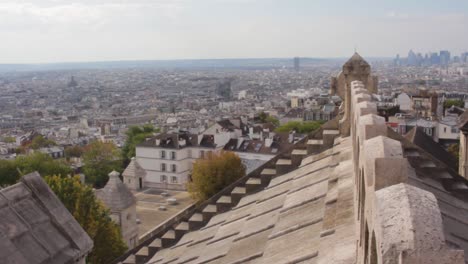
(463, 162)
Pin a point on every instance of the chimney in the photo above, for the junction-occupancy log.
(182, 142)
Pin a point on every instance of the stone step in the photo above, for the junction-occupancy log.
(181, 229)
(208, 212)
(142, 256)
(314, 146)
(253, 184)
(459, 186)
(266, 175)
(283, 166)
(154, 246)
(237, 194)
(168, 239)
(196, 221)
(130, 260)
(297, 155)
(223, 204)
(329, 136)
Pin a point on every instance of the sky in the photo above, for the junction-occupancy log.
(42, 31)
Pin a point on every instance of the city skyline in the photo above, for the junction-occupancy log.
(45, 31)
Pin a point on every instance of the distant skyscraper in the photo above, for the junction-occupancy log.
(297, 65)
(464, 57)
(72, 82)
(412, 58)
(397, 61)
(435, 59)
(444, 57)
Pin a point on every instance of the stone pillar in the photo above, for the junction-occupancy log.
(463, 162)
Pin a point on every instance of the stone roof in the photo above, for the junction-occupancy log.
(36, 227)
(116, 195)
(356, 58)
(134, 169)
(417, 136)
(305, 215)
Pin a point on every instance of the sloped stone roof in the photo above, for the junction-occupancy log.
(418, 137)
(303, 216)
(356, 58)
(115, 195)
(36, 227)
(134, 169)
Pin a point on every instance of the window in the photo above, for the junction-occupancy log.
(445, 130)
(202, 154)
(163, 154)
(163, 166)
(454, 130)
(174, 167)
(173, 179)
(173, 155)
(428, 131)
(163, 178)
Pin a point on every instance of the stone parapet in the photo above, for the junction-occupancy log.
(396, 222)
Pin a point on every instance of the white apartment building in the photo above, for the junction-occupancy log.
(167, 159)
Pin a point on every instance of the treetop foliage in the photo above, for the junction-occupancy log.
(136, 135)
(300, 127)
(99, 160)
(456, 102)
(95, 219)
(40, 141)
(12, 170)
(213, 173)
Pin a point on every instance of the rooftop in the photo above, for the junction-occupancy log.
(36, 227)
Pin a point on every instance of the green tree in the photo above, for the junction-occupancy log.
(215, 172)
(12, 170)
(95, 219)
(273, 120)
(449, 102)
(9, 139)
(41, 142)
(262, 117)
(99, 160)
(136, 135)
(43, 164)
(300, 127)
(8, 173)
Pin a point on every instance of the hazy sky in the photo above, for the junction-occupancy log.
(95, 30)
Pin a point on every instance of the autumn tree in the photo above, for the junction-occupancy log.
(213, 173)
(73, 152)
(99, 160)
(95, 219)
(135, 135)
(454, 149)
(41, 142)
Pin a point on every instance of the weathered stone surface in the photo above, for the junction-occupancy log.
(37, 228)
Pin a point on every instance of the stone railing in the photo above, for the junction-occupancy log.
(396, 222)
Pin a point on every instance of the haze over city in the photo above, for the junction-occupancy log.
(41, 31)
